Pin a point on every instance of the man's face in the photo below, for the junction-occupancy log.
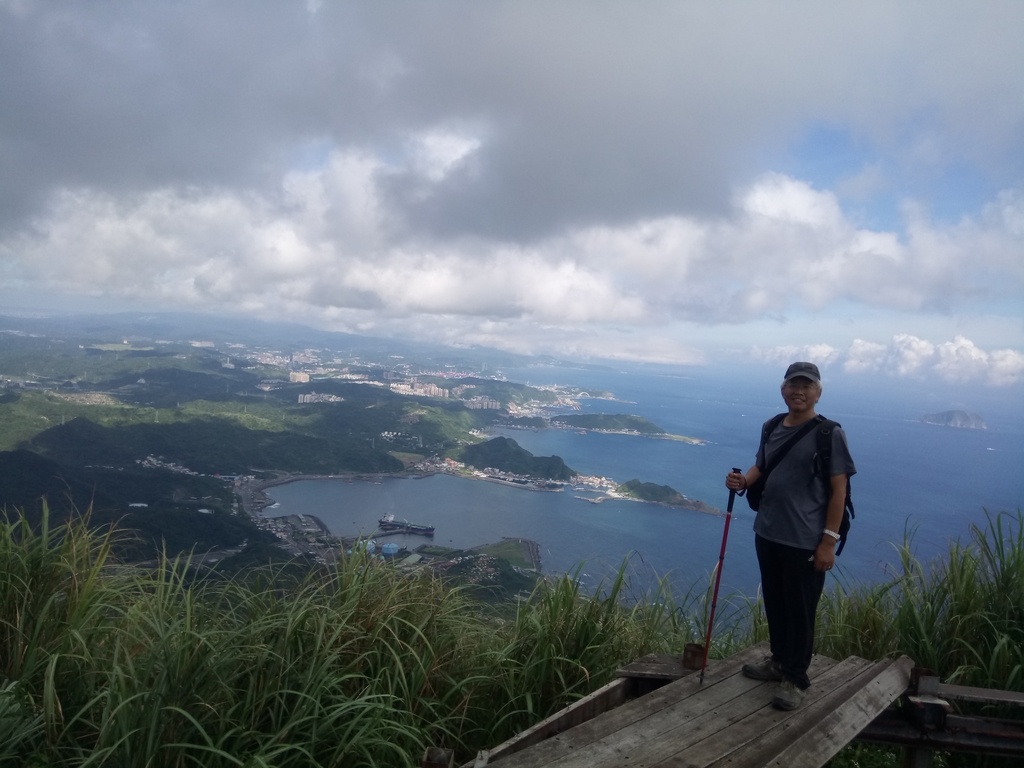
(800, 393)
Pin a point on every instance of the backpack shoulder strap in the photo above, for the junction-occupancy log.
(823, 460)
(769, 427)
(825, 445)
(781, 453)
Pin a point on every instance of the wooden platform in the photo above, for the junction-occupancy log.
(727, 721)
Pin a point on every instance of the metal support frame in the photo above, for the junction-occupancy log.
(924, 723)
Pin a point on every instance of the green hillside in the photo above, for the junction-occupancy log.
(170, 520)
(610, 421)
(209, 446)
(506, 454)
(661, 494)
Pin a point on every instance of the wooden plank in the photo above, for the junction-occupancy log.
(624, 716)
(855, 709)
(743, 722)
(578, 738)
(980, 695)
(754, 740)
(607, 697)
(657, 667)
(706, 711)
(691, 719)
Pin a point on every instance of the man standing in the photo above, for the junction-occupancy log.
(796, 530)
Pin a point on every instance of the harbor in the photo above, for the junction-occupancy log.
(567, 530)
(388, 524)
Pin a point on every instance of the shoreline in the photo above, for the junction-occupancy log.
(376, 477)
(628, 432)
(294, 477)
(633, 433)
(509, 483)
(712, 511)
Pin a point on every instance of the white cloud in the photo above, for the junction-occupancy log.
(1006, 366)
(819, 354)
(959, 360)
(330, 242)
(780, 200)
(437, 153)
(910, 353)
(822, 354)
(865, 356)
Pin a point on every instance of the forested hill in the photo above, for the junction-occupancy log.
(170, 519)
(662, 494)
(209, 446)
(612, 422)
(506, 454)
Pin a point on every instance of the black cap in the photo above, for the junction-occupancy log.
(807, 370)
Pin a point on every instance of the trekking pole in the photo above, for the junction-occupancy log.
(718, 578)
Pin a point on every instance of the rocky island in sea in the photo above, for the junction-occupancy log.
(958, 419)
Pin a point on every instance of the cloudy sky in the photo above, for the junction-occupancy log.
(661, 181)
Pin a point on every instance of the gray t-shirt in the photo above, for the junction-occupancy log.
(795, 499)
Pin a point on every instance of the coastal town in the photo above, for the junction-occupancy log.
(282, 391)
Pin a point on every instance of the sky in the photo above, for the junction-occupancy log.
(671, 182)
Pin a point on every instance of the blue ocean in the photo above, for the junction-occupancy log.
(927, 482)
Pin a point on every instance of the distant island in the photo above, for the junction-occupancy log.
(505, 454)
(958, 419)
(662, 494)
(618, 423)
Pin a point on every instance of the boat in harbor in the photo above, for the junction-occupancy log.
(388, 523)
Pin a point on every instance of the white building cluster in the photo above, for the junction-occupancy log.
(316, 397)
(594, 482)
(415, 388)
(482, 403)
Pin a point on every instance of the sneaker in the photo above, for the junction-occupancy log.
(764, 670)
(789, 696)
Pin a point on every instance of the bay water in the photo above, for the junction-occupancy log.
(913, 478)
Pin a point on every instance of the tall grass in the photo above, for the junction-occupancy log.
(359, 665)
(565, 643)
(962, 615)
(355, 665)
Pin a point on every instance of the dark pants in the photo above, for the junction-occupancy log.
(791, 589)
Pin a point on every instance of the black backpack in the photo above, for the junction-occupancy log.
(822, 467)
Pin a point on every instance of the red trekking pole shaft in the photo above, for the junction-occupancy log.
(718, 579)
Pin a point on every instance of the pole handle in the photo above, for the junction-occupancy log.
(732, 493)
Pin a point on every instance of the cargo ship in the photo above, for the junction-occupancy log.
(388, 523)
